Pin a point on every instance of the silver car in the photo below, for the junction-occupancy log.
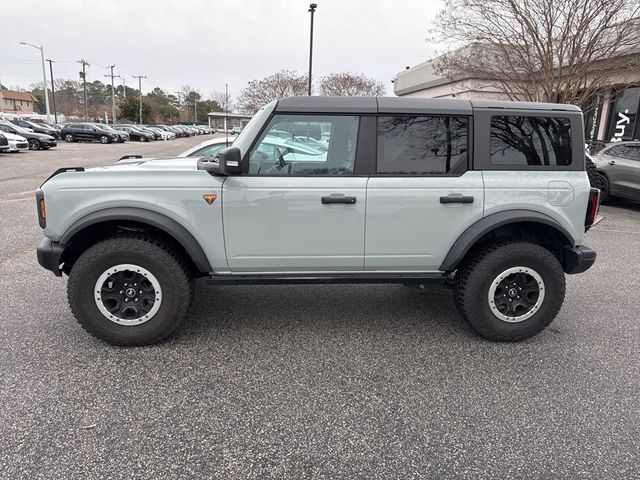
(619, 165)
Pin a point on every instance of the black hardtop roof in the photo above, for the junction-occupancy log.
(358, 105)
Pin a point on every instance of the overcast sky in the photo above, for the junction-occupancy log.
(206, 44)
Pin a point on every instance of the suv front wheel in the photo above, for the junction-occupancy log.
(129, 290)
(509, 290)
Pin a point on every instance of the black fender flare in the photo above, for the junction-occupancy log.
(149, 217)
(475, 232)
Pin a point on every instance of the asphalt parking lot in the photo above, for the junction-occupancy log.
(313, 381)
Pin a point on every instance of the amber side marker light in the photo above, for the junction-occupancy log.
(42, 209)
(209, 197)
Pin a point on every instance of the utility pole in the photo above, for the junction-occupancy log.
(113, 96)
(53, 91)
(140, 77)
(83, 74)
(312, 9)
(124, 88)
(179, 94)
(195, 110)
(226, 112)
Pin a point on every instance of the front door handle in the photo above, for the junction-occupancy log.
(456, 198)
(338, 199)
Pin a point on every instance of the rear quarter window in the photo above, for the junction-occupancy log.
(530, 141)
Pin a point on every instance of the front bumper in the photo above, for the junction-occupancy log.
(578, 259)
(49, 254)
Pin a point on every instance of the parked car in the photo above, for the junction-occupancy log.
(164, 128)
(88, 132)
(37, 127)
(489, 198)
(235, 131)
(183, 132)
(16, 142)
(208, 147)
(619, 166)
(160, 133)
(4, 143)
(122, 136)
(135, 133)
(36, 141)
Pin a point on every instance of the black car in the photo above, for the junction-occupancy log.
(36, 141)
(135, 134)
(88, 132)
(122, 136)
(37, 127)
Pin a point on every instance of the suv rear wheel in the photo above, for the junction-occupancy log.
(129, 290)
(509, 290)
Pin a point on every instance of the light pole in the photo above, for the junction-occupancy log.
(312, 9)
(53, 91)
(44, 76)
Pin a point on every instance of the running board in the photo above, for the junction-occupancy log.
(292, 279)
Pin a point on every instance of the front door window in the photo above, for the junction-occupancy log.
(306, 145)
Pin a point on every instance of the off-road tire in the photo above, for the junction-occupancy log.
(595, 178)
(169, 268)
(483, 265)
(605, 196)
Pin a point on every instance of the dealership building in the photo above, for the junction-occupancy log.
(612, 114)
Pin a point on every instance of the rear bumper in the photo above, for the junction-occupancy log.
(578, 259)
(49, 254)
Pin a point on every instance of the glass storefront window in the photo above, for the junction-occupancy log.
(623, 123)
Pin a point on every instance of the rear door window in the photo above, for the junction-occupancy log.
(422, 145)
(530, 141)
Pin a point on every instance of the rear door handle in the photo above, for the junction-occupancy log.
(336, 198)
(456, 198)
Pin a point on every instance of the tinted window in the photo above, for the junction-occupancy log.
(520, 141)
(630, 152)
(306, 145)
(422, 145)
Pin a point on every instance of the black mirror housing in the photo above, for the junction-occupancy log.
(230, 161)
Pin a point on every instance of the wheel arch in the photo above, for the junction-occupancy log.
(103, 223)
(526, 224)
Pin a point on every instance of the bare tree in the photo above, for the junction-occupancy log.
(224, 100)
(545, 50)
(351, 84)
(258, 93)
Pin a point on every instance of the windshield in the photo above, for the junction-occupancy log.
(251, 130)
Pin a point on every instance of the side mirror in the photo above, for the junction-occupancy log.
(229, 161)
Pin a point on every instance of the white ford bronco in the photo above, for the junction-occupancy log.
(490, 198)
